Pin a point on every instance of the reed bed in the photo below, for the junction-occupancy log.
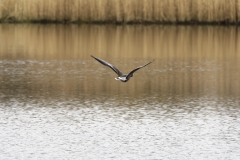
(121, 11)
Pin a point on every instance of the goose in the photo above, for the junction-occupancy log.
(122, 77)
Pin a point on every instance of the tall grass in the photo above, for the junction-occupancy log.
(121, 11)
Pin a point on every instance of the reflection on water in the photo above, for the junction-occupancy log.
(57, 102)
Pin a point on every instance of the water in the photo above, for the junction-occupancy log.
(56, 102)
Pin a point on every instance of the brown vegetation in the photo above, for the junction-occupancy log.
(121, 11)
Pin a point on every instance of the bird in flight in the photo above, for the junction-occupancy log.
(122, 77)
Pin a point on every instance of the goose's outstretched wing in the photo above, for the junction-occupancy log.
(131, 73)
(109, 65)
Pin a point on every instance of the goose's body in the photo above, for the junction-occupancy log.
(122, 77)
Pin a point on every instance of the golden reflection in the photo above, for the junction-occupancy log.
(47, 42)
(190, 60)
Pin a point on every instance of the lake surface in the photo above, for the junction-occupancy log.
(56, 102)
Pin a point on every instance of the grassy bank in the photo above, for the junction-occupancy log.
(121, 11)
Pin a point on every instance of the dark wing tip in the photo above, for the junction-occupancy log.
(109, 65)
(131, 73)
(147, 63)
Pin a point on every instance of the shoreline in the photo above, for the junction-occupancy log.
(117, 23)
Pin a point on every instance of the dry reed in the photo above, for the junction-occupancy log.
(121, 11)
